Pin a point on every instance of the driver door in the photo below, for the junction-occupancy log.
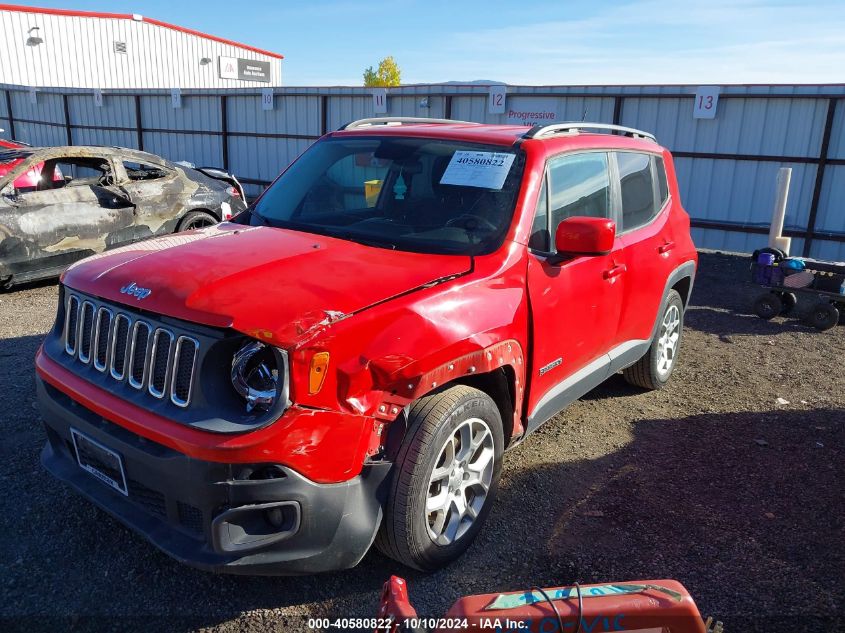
(66, 219)
(575, 301)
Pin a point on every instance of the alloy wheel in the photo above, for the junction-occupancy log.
(460, 481)
(668, 340)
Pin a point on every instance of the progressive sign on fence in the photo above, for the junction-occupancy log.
(531, 111)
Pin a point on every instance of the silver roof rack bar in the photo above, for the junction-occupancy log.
(574, 127)
(400, 120)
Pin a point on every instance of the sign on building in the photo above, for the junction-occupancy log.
(244, 69)
(266, 98)
(380, 100)
(706, 100)
(496, 99)
(531, 111)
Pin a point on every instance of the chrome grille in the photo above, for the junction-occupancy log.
(71, 324)
(119, 335)
(138, 354)
(86, 331)
(183, 370)
(101, 338)
(160, 361)
(133, 350)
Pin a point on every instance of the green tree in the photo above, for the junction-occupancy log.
(388, 74)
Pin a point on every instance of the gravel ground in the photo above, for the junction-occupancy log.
(713, 481)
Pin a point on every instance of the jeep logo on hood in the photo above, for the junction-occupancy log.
(136, 291)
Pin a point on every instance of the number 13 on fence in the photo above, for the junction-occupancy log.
(706, 100)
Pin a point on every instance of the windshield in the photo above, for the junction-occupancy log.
(414, 194)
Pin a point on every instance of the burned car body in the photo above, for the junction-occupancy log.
(98, 198)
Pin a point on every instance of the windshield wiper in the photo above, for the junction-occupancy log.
(363, 240)
(265, 221)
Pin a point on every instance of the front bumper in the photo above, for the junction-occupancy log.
(206, 514)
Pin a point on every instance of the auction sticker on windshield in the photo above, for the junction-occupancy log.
(487, 170)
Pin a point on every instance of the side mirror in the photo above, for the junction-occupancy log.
(585, 236)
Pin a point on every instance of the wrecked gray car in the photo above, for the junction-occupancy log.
(84, 200)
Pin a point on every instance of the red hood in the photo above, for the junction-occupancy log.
(277, 284)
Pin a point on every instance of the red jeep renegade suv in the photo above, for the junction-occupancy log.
(346, 362)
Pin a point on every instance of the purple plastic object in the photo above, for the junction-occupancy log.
(765, 269)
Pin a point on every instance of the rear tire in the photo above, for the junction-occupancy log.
(196, 220)
(445, 478)
(655, 368)
(823, 316)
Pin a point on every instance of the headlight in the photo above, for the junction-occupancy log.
(259, 375)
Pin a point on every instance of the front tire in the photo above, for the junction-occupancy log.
(655, 368)
(445, 480)
(768, 305)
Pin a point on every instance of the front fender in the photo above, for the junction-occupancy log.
(385, 358)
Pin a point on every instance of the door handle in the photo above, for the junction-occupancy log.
(615, 271)
(665, 248)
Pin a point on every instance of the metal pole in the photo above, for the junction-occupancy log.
(817, 188)
(139, 129)
(224, 128)
(11, 116)
(68, 131)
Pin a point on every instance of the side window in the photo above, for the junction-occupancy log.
(637, 187)
(143, 171)
(662, 183)
(71, 172)
(579, 185)
(540, 240)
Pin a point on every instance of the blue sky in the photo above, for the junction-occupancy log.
(525, 42)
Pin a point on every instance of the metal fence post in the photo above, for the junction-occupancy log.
(617, 109)
(139, 128)
(10, 116)
(820, 168)
(324, 114)
(68, 130)
(224, 129)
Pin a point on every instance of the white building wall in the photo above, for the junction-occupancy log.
(78, 52)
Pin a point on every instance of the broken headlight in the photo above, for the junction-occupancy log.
(259, 375)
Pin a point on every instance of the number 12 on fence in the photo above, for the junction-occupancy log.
(496, 100)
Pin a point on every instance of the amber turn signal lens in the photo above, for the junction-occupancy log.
(319, 366)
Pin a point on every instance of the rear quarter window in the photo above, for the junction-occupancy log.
(637, 188)
(662, 183)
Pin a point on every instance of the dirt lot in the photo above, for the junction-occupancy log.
(711, 482)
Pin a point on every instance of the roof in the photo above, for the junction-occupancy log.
(135, 18)
(504, 135)
(82, 151)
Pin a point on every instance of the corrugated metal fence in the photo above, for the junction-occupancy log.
(726, 166)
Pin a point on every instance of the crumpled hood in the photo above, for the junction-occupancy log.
(275, 284)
